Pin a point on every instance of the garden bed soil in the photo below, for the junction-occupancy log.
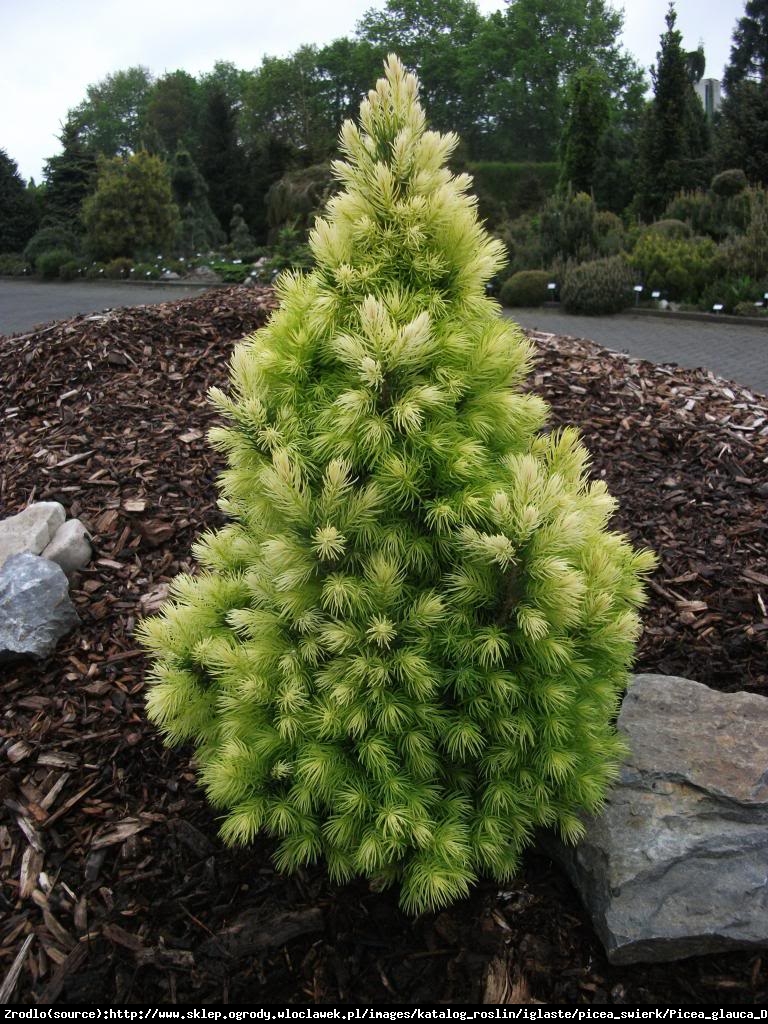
(114, 885)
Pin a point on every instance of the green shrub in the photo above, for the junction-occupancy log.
(679, 267)
(569, 228)
(144, 272)
(118, 268)
(289, 252)
(296, 197)
(732, 291)
(52, 238)
(132, 210)
(598, 286)
(746, 254)
(522, 237)
(526, 288)
(730, 182)
(750, 309)
(230, 272)
(671, 228)
(96, 271)
(70, 270)
(13, 265)
(47, 264)
(709, 214)
(405, 652)
(611, 233)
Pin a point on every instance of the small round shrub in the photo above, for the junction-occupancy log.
(730, 182)
(144, 272)
(231, 273)
(568, 227)
(70, 270)
(680, 267)
(523, 239)
(611, 234)
(96, 272)
(750, 309)
(526, 288)
(51, 238)
(49, 263)
(599, 286)
(671, 228)
(119, 268)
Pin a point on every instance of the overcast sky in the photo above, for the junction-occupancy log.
(51, 50)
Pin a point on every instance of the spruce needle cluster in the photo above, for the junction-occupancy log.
(405, 651)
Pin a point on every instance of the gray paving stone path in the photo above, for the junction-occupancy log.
(27, 304)
(734, 351)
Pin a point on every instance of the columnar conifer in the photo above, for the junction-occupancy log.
(405, 650)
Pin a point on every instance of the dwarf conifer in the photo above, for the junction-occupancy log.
(405, 650)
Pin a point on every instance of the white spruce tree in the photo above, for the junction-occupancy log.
(406, 649)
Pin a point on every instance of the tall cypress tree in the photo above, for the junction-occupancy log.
(222, 162)
(675, 141)
(589, 115)
(405, 651)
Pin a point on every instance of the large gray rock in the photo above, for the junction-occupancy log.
(677, 863)
(70, 547)
(35, 609)
(31, 530)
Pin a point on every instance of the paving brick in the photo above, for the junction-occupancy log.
(735, 352)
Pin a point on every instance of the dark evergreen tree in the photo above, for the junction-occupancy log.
(222, 160)
(240, 237)
(742, 125)
(674, 148)
(749, 52)
(267, 161)
(190, 192)
(589, 115)
(614, 183)
(742, 130)
(70, 177)
(18, 209)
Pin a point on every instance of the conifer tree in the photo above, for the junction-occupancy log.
(674, 145)
(239, 235)
(588, 119)
(405, 650)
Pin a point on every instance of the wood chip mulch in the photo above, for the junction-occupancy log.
(113, 884)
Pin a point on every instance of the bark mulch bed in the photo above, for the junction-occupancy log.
(113, 884)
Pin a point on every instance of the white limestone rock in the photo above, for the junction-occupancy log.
(31, 530)
(70, 547)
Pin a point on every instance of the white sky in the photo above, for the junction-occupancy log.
(51, 50)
